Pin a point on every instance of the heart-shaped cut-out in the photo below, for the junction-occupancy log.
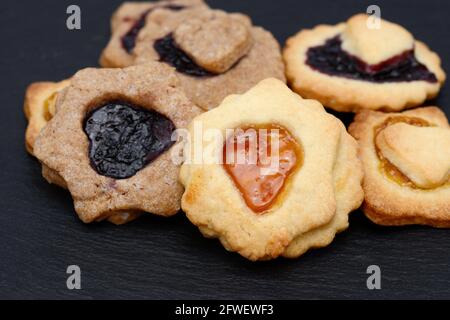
(375, 44)
(422, 154)
(260, 160)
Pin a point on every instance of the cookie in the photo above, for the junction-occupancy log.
(198, 39)
(111, 141)
(39, 107)
(126, 24)
(352, 66)
(289, 192)
(215, 53)
(406, 160)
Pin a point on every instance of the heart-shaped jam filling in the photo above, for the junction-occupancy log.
(260, 160)
(413, 152)
(124, 138)
(49, 106)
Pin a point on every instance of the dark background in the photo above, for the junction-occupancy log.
(157, 258)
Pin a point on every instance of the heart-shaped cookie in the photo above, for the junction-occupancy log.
(375, 44)
(216, 42)
(260, 160)
(421, 153)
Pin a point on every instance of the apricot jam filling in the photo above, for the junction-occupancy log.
(49, 107)
(260, 160)
(389, 169)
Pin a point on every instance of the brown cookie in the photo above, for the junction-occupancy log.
(126, 24)
(110, 143)
(195, 68)
(198, 38)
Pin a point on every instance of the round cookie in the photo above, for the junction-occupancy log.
(110, 141)
(406, 161)
(248, 60)
(243, 206)
(351, 66)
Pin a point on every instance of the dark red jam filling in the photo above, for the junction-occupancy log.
(170, 53)
(129, 39)
(331, 59)
(124, 138)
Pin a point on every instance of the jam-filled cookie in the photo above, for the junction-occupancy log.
(111, 139)
(126, 24)
(356, 65)
(406, 159)
(270, 173)
(39, 107)
(215, 53)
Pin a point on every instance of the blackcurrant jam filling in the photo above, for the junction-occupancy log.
(129, 39)
(331, 59)
(170, 53)
(124, 138)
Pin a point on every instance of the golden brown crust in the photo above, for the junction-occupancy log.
(62, 145)
(310, 202)
(388, 202)
(342, 94)
(40, 98)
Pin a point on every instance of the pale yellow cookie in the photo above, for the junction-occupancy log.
(318, 193)
(355, 65)
(406, 160)
(39, 107)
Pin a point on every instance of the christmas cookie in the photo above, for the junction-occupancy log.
(126, 24)
(215, 53)
(111, 141)
(355, 65)
(406, 160)
(275, 174)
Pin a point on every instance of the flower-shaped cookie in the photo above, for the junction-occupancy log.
(360, 65)
(406, 160)
(126, 24)
(39, 107)
(215, 53)
(110, 141)
(297, 191)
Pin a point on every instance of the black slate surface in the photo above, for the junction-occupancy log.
(158, 258)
